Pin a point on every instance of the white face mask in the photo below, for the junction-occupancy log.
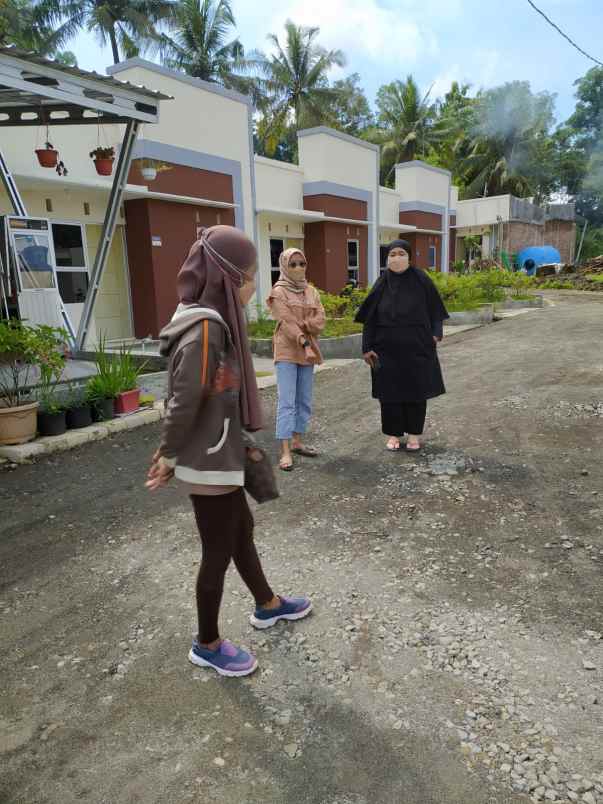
(398, 263)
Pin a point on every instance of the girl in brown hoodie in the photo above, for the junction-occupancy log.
(212, 399)
(300, 317)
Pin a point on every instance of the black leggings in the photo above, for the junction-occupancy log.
(226, 528)
(403, 417)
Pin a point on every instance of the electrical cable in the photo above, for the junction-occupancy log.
(564, 35)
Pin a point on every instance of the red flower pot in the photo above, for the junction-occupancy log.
(104, 167)
(127, 402)
(47, 157)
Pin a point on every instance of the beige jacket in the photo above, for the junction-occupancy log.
(299, 317)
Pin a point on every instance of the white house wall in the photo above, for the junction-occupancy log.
(279, 185)
(483, 211)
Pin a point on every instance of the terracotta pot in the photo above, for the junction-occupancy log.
(52, 424)
(127, 402)
(47, 157)
(104, 167)
(18, 424)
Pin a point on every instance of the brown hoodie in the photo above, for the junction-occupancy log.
(202, 435)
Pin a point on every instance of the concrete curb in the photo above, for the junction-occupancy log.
(23, 453)
(348, 347)
(518, 304)
(483, 315)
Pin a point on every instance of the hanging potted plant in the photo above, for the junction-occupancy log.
(128, 398)
(22, 348)
(48, 156)
(103, 160)
(149, 168)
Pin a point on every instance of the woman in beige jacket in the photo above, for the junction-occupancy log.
(300, 317)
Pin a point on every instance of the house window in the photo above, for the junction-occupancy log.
(432, 257)
(70, 256)
(353, 262)
(277, 247)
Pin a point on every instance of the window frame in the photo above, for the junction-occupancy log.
(353, 269)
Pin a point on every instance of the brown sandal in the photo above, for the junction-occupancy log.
(285, 467)
(306, 452)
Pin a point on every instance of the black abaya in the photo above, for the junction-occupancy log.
(400, 318)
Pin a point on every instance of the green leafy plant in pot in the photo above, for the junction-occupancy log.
(52, 419)
(128, 399)
(103, 388)
(79, 413)
(22, 349)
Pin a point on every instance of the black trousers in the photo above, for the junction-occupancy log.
(226, 529)
(403, 417)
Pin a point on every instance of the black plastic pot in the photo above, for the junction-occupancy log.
(79, 417)
(52, 424)
(102, 410)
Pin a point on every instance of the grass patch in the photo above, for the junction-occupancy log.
(264, 373)
(595, 278)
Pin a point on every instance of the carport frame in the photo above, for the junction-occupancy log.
(36, 91)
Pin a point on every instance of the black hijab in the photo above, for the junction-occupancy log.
(389, 286)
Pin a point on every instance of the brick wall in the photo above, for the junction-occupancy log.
(561, 235)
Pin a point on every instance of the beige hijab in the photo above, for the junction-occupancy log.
(286, 280)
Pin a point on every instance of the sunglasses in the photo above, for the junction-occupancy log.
(297, 264)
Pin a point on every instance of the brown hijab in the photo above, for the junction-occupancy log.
(211, 277)
(286, 280)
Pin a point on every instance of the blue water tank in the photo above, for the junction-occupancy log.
(535, 256)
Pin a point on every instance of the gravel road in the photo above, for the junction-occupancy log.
(454, 654)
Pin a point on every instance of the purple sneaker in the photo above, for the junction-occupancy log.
(227, 660)
(291, 608)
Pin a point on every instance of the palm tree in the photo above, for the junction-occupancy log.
(24, 24)
(198, 43)
(509, 135)
(127, 25)
(294, 81)
(405, 124)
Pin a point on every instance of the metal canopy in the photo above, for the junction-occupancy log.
(35, 91)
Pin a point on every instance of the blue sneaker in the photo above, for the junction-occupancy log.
(291, 608)
(227, 660)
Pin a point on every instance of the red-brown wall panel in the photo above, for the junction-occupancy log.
(183, 180)
(422, 220)
(337, 207)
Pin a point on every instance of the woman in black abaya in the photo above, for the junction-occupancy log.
(403, 322)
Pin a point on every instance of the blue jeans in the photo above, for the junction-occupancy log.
(294, 407)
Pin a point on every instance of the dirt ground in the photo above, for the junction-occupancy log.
(454, 654)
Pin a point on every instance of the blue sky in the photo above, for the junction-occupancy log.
(475, 41)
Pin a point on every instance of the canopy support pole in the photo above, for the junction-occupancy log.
(115, 198)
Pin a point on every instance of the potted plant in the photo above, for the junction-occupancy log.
(79, 413)
(128, 398)
(48, 156)
(52, 419)
(105, 385)
(51, 414)
(103, 160)
(101, 398)
(149, 168)
(23, 347)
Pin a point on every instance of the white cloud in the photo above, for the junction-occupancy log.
(362, 27)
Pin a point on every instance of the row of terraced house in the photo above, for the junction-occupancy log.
(330, 204)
